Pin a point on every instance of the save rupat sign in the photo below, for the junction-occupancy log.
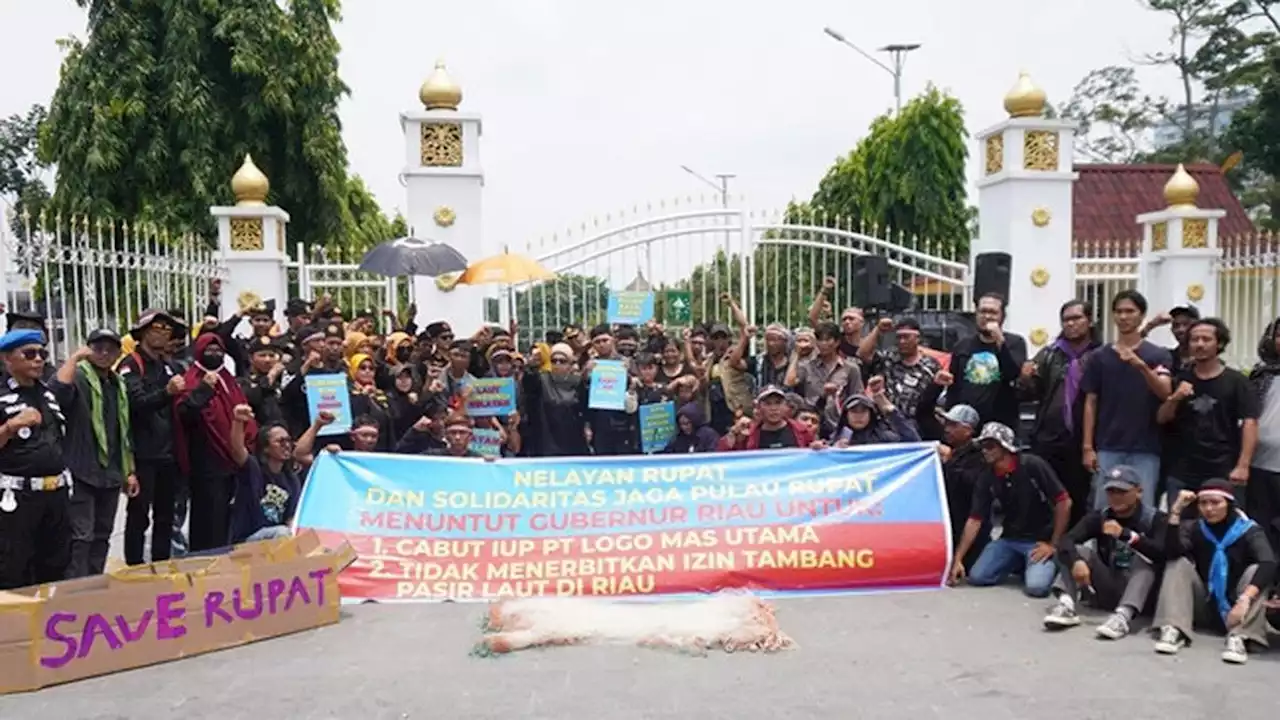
(65, 631)
(780, 522)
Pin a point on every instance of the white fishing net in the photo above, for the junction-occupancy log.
(730, 621)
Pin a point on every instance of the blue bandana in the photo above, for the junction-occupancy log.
(15, 339)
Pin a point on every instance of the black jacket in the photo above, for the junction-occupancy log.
(150, 405)
(79, 446)
(1046, 388)
(1251, 549)
(1144, 531)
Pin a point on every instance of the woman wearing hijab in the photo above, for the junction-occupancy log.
(558, 400)
(872, 419)
(404, 401)
(202, 440)
(367, 399)
(693, 434)
(1218, 567)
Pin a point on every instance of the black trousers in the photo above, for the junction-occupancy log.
(153, 507)
(1262, 502)
(210, 510)
(93, 517)
(1068, 463)
(35, 538)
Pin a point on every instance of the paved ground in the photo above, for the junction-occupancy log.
(969, 653)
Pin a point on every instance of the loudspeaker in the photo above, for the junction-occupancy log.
(871, 281)
(991, 274)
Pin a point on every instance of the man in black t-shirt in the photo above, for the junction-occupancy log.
(1213, 412)
(987, 365)
(1035, 507)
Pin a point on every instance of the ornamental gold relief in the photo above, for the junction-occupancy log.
(1040, 217)
(1195, 234)
(444, 216)
(1160, 236)
(280, 236)
(246, 234)
(1039, 337)
(441, 145)
(1040, 150)
(1195, 292)
(1039, 277)
(995, 154)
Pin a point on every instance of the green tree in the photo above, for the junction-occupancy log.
(568, 299)
(21, 171)
(1258, 128)
(156, 108)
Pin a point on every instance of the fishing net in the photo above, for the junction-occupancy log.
(727, 621)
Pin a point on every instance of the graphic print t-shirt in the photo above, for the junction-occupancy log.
(1208, 424)
(981, 382)
(775, 439)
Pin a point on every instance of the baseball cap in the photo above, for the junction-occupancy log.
(103, 334)
(963, 414)
(858, 400)
(719, 329)
(1122, 477)
(1001, 434)
(1188, 310)
(771, 391)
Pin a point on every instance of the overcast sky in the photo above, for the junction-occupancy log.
(591, 107)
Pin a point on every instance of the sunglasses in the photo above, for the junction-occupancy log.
(33, 353)
(560, 361)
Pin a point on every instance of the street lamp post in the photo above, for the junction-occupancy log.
(721, 187)
(897, 55)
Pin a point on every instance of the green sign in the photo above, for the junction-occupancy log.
(679, 308)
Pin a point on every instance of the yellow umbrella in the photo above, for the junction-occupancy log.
(506, 269)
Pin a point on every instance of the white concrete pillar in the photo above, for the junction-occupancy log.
(1180, 254)
(252, 242)
(1024, 209)
(444, 182)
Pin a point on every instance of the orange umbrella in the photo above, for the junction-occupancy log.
(506, 269)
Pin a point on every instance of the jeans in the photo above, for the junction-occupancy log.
(1147, 465)
(1002, 557)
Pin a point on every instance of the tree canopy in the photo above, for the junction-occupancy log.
(156, 109)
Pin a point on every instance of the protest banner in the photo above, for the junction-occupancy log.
(491, 397)
(328, 392)
(657, 426)
(629, 307)
(608, 389)
(486, 442)
(425, 528)
(142, 615)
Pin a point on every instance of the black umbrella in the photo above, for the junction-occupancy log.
(411, 256)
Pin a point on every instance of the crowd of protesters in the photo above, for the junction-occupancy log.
(206, 430)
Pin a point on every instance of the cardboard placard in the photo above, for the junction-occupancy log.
(64, 631)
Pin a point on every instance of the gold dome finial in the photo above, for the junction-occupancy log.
(440, 92)
(1182, 190)
(1025, 99)
(250, 184)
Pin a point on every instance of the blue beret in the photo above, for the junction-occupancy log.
(15, 339)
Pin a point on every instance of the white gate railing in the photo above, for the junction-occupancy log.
(318, 273)
(771, 265)
(84, 273)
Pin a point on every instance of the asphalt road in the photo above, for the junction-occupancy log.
(968, 653)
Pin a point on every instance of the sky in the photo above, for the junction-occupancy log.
(592, 107)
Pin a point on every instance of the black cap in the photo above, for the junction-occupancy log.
(1187, 310)
(14, 318)
(103, 334)
(297, 307)
(719, 329)
(266, 343)
(335, 330)
(266, 307)
(438, 328)
(151, 317)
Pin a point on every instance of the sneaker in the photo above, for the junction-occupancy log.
(1116, 627)
(1235, 652)
(1061, 617)
(1171, 641)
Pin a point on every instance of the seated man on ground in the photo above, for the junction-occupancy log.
(1119, 569)
(1036, 509)
(1218, 567)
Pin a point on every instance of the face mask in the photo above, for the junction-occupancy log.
(403, 352)
(211, 361)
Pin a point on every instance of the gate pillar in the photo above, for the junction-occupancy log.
(1180, 253)
(444, 182)
(251, 242)
(1024, 209)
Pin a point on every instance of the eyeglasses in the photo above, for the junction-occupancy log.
(33, 353)
(446, 337)
(560, 360)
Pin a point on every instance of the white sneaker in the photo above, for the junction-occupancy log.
(1116, 627)
(1061, 617)
(1171, 641)
(1236, 652)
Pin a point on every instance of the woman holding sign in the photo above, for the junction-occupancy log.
(368, 399)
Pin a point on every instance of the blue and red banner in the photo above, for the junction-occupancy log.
(776, 522)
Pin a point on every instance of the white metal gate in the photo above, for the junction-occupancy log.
(315, 274)
(772, 265)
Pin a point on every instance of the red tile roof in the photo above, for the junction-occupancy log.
(1107, 198)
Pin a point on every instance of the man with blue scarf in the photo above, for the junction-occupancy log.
(1218, 567)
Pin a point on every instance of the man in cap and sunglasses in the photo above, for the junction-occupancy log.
(30, 320)
(98, 448)
(152, 379)
(1035, 507)
(35, 487)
